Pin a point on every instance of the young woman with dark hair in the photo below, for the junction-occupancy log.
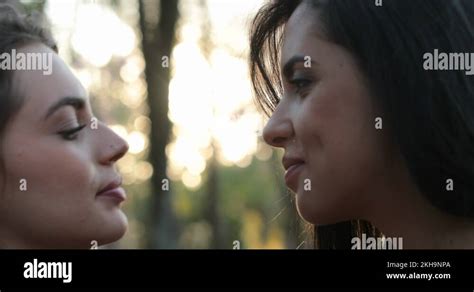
(375, 139)
(58, 184)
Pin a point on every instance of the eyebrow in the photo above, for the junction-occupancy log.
(75, 102)
(288, 67)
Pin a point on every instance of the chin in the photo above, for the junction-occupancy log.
(314, 212)
(113, 229)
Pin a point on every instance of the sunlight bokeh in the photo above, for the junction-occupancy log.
(211, 108)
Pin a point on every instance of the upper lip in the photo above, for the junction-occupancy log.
(111, 185)
(290, 161)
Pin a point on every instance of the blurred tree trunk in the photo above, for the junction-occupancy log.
(37, 5)
(157, 24)
(212, 184)
(212, 212)
(27, 7)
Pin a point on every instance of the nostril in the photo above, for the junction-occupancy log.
(278, 141)
(119, 152)
(274, 139)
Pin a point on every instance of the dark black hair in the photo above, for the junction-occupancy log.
(16, 30)
(430, 114)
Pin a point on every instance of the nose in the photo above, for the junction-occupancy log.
(279, 128)
(114, 147)
(121, 149)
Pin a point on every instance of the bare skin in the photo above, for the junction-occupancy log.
(63, 171)
(339, 165)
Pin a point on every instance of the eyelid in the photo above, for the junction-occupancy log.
(74, 128)
(296, 80)
(68, 124)
(302, 72)
(77, 103)
(74, 131)
(69, 116)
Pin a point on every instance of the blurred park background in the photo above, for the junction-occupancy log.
(171, 77)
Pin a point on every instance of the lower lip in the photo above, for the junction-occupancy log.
(117, 194)
(291, 175)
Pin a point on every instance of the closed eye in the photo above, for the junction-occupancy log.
(71, 134)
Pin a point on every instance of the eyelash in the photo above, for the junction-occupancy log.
(296, 82)
(71, 135)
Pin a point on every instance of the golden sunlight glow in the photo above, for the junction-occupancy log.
(100, 34)
(191, 181)
(211, 107)
(210, 104)
(133, 94)
(142, 124)
(119, 130)
(131, 71)
(137, 142)
(144, 170)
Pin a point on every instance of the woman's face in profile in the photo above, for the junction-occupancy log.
(325, 122)
(57, 162)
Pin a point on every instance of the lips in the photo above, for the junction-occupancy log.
(113, 190)
(293, 167)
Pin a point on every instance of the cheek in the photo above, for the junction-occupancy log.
(64, 168)
(50, 180)
(340, 148)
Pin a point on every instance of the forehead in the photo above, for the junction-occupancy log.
(41, 91)
(301, 32)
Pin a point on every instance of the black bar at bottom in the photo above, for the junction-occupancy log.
(238, 268)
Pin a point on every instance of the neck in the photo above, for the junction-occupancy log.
(8, 241)
(403, 211)
(12, 240)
